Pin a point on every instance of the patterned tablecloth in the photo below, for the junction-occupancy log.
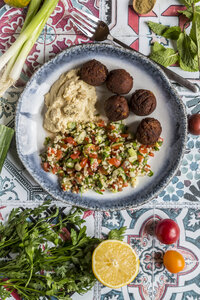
(180, 200)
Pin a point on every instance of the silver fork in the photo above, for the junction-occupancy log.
(98, 30)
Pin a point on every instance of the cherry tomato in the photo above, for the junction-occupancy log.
(167, 231)
(194, 124)
(173, 261)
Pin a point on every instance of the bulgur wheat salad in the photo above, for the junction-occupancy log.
(97, 156)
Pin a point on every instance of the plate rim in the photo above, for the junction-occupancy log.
(102, 207)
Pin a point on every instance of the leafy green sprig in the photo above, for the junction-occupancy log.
(188, 45)
(36, 261)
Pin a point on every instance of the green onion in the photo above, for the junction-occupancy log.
(14, 58)
(6, 135)
(150, 173)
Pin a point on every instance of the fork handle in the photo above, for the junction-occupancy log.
(171, 75)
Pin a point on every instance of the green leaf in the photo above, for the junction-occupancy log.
(195, 33)
(22, 230)
(6, 135)
(157, 28)
(163, 56)
(117, 234)
(189, 12)
(188, 53)
(189, 3)
(166, 31)
(74, 237)
(172, 33)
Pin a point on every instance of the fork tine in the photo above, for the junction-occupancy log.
(81, 20)
(81, 28)
(91, 17)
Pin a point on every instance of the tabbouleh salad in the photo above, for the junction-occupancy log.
(97, 156)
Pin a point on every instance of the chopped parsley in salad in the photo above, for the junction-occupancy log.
(97, 156)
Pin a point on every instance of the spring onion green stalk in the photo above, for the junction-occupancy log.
(12, 61)
(6, 135)
(6, 79)
(32, 11)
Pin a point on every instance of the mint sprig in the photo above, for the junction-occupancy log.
(188, 46)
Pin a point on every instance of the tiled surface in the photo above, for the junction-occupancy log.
(179, 200)
(153, 280)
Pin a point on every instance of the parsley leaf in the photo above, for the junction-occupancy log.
(117, 234)
(31, 242)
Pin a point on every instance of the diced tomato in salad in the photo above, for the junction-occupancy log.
(97, 156)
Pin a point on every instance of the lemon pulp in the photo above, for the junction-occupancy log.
(115, 263)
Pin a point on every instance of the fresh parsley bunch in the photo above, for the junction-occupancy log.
(35, 261)
(188, 46)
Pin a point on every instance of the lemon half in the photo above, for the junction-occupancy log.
(115, 263)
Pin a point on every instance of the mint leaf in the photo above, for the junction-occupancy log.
(157, 28)
(195, 33)
(172, 33)
(117, 234)
(189, 3)
(166, 31)
(188, 53)
(163, 56)
(157, 47)
(189, 12)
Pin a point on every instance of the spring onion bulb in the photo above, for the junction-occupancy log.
(12, 61)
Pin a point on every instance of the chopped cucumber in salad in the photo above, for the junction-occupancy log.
(97, 156)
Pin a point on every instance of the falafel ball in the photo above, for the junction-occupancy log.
(148, 131)
(93, 72)
(119, 81)
(143, 102)
(116, 108)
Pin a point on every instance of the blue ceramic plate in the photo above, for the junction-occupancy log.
(170, 112)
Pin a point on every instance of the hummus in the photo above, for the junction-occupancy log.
(69, 100)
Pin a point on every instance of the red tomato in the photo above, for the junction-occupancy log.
(115, 147)
(101, 123)
(70, 140)
(93, 155)
(125, 135)
(167, 231)
(59, 154)
(103, 171)
(75, 155)
(194, 124)
(83, 162)
(46, 166)
(115, 162)
(173, 261)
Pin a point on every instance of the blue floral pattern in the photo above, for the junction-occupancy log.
(180, 200)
